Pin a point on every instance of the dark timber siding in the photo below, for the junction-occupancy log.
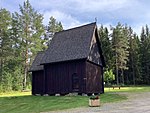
(94, 80)
(37, 82)
(58, 76)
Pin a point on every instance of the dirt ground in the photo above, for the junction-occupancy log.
(136, 103)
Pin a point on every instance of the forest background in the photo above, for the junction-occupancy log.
(23, 35)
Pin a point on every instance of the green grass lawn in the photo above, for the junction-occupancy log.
(24, 102)
(129, 89)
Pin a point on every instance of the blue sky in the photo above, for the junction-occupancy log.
(71, 13)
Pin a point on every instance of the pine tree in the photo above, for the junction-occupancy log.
(124, 52)
(136, 60)
(31, 28)
(133, 74)
(106, 46)
(120, 50)
(16, 63)
(53, 27)
(144, 55)
(5, 44)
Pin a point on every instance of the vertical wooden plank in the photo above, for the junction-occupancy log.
(59, 76)
(37, 82)
(33, 82)
(93, 78)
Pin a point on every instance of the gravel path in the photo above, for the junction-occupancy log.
(136, 103)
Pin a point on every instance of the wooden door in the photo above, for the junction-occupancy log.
(75, 82)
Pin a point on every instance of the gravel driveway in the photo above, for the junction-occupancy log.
(136, 103)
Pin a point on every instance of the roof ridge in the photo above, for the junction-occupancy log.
(76, 27)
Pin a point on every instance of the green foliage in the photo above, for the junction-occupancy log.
(106, 46)
(94, 97)
(144, 55)
(6, 83)
(109, 76)
(5, 41)
(21, 37)
(120, 47)
(133, 74)
(5, 49)
(53, 27)
(127, 54)
(29, 36)
(17, 79)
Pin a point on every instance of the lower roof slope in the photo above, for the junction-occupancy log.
(36, 63)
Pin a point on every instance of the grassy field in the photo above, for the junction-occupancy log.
(129, 89)
(20, 102)
(24, 102)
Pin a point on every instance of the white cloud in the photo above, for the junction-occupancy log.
(67, 20)
(82, 6)
(73, 13)
(100, 5)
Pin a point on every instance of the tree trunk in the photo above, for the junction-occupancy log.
(127, 79)
(1, 73)
(1, 70)
(26, 59)
(133, 70)
(122, 76)
(117, 71)
(133, 76)
(25, 70)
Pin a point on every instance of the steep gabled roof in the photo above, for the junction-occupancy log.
(36, 63)
(70, 44)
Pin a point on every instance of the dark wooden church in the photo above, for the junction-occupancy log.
(73, 62)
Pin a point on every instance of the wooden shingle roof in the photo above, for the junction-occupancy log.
(36, 63)
(70, 44)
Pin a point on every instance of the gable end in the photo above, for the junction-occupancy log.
(96, 56)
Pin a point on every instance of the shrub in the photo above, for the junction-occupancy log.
(109, 76)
